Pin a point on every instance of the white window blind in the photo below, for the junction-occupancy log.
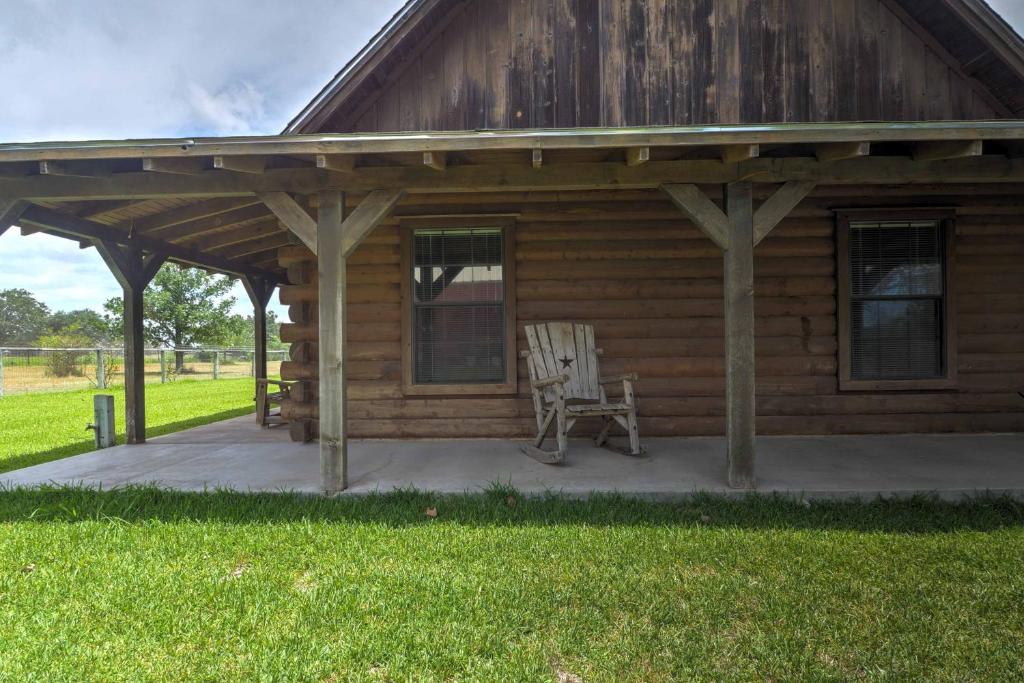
(458, 306)
(897, 300)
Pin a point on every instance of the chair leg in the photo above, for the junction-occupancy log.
(602, 437)
(556, 413)
(634, 434)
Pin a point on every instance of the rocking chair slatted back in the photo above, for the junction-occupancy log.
(565, 349)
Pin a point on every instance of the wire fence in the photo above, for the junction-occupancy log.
(27, 370)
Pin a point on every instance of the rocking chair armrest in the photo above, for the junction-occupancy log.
(615, 379)
(549, 381)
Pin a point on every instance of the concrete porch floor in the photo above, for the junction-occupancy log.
(236, 454)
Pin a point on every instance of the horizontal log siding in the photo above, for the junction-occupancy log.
(651, 284)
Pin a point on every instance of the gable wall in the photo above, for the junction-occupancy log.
(571, 63)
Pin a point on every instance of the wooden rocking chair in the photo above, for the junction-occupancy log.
(266, 415)
(567, 385)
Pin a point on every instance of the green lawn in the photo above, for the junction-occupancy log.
(39, 427)
(148, 585)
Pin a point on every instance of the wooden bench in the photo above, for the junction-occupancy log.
(566, 384)
(266, 414)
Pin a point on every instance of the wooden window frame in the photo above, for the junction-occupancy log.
(947, 221)
(507, 226)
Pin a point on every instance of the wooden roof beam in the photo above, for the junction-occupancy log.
(241, 164)
(78, 228)
(435, 160)
(215, 223)
(874, 170)
(701, 211)
(179, 165)
(840, 151)
(293, 216)
(370, 212)
(339, 163)
(735, 154)
(636, 156)
(953, 149)
(10, 212)
(78, 169)
(778, 206)
(192, 212)
(253, 247)
(237, 235)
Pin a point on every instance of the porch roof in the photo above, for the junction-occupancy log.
(202, 201)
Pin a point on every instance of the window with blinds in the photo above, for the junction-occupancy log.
(896, 298)
(458, 306)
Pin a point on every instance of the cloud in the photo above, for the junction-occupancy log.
(79, 69)
(236, 109)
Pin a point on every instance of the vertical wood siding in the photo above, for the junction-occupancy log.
(571, 63)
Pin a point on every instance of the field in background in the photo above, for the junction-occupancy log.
(27, 370)
(40, 427)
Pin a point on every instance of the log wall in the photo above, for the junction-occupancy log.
(652, 285)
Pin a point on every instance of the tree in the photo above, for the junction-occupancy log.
(22, 317)
(182, 307)
(243, 332)
(82, 323)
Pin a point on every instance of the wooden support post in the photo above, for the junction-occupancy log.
(733, 231)
(216, 364)
(133, 271)
(333, 410)
(259, 290)
(163, 366)
(101, 370)
(739, 335)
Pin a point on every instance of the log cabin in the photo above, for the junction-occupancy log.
(787, 217)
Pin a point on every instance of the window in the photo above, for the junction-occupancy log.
(895, 311)
(458, 334)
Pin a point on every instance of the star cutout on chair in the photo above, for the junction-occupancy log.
(566, 362)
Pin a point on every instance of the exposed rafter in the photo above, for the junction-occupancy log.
(215, 223)
(64, 224)
(182, 165)
(10, 212)
(191, 212)
(241, 164)
(959, 149)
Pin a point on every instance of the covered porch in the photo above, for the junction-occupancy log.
(235, 455)
(230, 205)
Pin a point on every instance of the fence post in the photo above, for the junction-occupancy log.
(2, 352)
(216, 364)
(101, 370)
(252, 364)
(163, 366)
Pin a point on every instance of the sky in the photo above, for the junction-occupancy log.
(115, 69)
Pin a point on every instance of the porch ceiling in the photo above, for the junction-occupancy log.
(202, 201)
